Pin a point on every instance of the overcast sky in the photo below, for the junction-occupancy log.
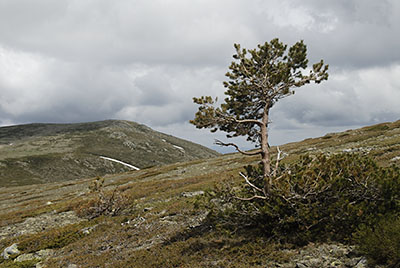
(86, 60)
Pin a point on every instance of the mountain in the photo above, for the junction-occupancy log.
(38, 153)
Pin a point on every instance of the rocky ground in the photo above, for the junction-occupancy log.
(312, 255)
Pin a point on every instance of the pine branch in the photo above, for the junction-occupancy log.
(220, 143)
(239, 121)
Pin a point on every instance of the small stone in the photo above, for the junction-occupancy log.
(44, 253)
(191, 194)
(86, 230)
(395, 158)
(300, 265)
(72, 266)
(40, 255)
(11, 250)
(25, 257)
(362, 263)
(314, 262)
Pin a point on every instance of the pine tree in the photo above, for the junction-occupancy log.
(257, 79)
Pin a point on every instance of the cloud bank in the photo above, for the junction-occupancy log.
(76, 61)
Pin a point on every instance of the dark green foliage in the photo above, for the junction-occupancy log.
(321, 198)
(381, 243)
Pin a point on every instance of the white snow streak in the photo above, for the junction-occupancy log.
(178, 147)
(117, 161)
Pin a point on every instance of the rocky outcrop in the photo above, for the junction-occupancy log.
(39, 255)
(11, 250)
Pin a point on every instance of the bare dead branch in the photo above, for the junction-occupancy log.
(279, 157)
(251, 198)
(249, 183)
(220, 143)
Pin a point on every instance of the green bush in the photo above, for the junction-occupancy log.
(318, 198)
(381, 243)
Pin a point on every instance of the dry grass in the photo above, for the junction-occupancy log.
(158, 226)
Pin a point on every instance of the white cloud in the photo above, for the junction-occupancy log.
(348, 98)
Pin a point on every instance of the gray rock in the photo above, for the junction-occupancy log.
(88, 230)
(191, 194)
(25, 257)
(314, 262)
(395, 158)
(11, 250)
(45, 253)
(39, 255)
(362, 263)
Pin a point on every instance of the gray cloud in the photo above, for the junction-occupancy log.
(69, 61)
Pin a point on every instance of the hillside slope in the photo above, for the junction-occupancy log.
(38, 153)
(161, 226)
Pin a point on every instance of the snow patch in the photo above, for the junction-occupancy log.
(178, 147)
(120, 162)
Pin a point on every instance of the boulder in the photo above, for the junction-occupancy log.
(11, 250)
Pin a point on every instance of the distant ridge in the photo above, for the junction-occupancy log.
(38, 153)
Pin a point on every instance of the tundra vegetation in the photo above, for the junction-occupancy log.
(160, 219)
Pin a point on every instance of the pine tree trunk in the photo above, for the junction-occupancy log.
(266, 161)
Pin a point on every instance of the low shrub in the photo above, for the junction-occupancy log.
(318, 198)
(107, 203)
(381, 242)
